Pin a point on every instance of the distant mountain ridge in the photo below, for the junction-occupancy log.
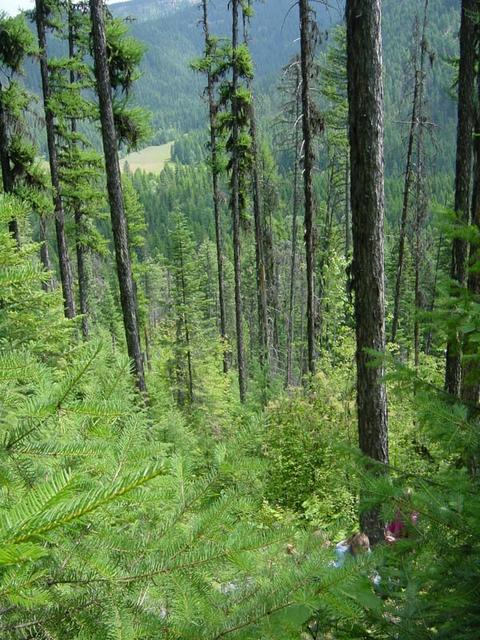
(143, 10)
(174, 38)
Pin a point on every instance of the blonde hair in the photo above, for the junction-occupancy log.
(359, 543)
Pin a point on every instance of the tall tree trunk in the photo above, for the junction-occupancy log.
(115, 195)
(420, 213)
(7, 177)
(324, 251)
(421, 197)
(79, 217)
(148, 354)
(431, 306)
(271, 280)
(308, 159)
(348, 226)
(293, 260)
(63, 257)
(405, 207)
(212, 108)
(262, 303)
(463, 170)
(260, 262)
(471, 369)
(44, 253)
(235, 206)
(365, 97)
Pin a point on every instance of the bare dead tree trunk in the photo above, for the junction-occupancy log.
(324, 250)
(63, 257)
(271, 278)
(365, 97)
(212, 108)
(420, 213)
(421, 198)
(463, 170)
(296, 202)
(405, 206)
(235, 206)
(259, 246)
(308, 160)
(293, 260)
(115, 195)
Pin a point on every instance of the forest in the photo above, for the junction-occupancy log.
(240, 397)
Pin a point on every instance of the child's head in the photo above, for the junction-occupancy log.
(359, 543)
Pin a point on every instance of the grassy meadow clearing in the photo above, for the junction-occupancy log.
(151, 159)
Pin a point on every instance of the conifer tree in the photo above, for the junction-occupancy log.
(260, 245)
(333, 77)
(470, 379)
(79, 215)
(43, 9)
(80, 166)
(365, 96)
(187, 301)
(463, 170)
(16, 43)
(239, 148)
(112, 165)
(209, 66)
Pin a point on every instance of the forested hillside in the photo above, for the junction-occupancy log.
(173, 40)
(240, 396)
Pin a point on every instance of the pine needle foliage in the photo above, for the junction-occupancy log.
(108, 530)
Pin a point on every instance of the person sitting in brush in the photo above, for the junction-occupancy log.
(397, 528)
(353, 546)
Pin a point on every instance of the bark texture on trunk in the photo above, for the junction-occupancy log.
(471, 369)
(308, 159)
(235, 206)
(348, 226)
(365, 96)
(463, 170)
(115, 195)
(63, 257)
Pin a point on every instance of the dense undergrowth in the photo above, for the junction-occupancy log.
(121, 519)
